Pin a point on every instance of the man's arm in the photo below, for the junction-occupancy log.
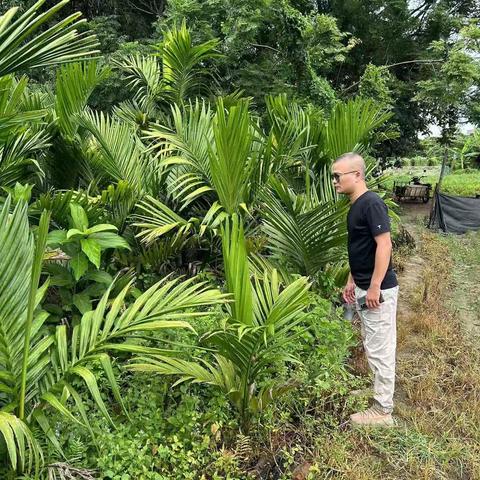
(382, 261)
(349, 290)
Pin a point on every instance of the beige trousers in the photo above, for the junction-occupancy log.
(379, 335)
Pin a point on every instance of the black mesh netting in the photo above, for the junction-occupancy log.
(455, 214)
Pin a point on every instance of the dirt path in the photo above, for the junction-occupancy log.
(466, 274)
(414, 217)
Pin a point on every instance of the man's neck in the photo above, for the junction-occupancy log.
(358, 193)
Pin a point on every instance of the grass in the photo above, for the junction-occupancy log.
(463, 183)
(438, 387)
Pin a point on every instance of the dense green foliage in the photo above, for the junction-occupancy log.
(167, 211)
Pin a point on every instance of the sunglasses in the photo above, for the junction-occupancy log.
(338, 176)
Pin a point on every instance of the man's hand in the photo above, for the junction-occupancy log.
(373, 297)
(349, 292)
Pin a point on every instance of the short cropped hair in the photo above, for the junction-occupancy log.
(354, 158)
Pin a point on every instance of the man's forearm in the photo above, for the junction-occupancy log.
(382, 261)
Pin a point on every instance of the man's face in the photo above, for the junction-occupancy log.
(345, 177)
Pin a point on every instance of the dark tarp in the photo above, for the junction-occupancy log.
(455, 214)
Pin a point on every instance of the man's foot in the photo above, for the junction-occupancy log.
(372, 416)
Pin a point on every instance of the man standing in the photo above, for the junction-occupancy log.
(371, 281)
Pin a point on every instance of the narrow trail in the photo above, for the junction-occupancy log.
(413, 217)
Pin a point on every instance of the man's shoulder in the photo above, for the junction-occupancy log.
(367, 199)
(373, 198)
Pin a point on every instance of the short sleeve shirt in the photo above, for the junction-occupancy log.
(367, 218)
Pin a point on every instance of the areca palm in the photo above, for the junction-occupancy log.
(304, 234)
(352, 126)
(116, 153)
(261, 321)
(75, 83)
(213, 159)
(305, 226)
(37, 367)
(182, 61)
(22, 133)
(14, 111)
(67, 165)
(179, 75)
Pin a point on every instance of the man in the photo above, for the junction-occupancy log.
(371, 278)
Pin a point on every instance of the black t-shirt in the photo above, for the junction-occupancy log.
(367, 218)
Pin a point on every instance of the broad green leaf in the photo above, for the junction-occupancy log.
(109, 240)
(102, 227)
(92, 250)
(73, 232)
(99, 276)
(82, 302)
(79, 264)
(79, 217)
(56, 237)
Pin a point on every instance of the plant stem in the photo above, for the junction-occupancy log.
(35, 278)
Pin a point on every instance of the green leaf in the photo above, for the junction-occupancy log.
(107, 367)
(102, 227)
(79, 264)
(92, 250)
(99, 277)
(53, 401)
(82, 302)
(110, 240)
(74, 231)
(92, 385)
(59, 43)
(20, 442)
(7, 432)
(56, 237)
(79, 217)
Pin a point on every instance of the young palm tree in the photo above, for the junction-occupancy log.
(37, 367)
(25, 43)
(179, 75)
(259, 324)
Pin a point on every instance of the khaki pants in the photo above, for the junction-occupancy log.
(379, 335)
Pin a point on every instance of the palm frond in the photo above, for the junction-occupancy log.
(118, 202)
(15, 114)
(305, 239)
(16, 247)
(116, 152)
(23, 450)
(57, 44)
(351, 126)
(183, 75)
(143, 75)
(184, 149)
(155, 219)
(17, 157)
(75, 84)
(231, 162)
(236, 270)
